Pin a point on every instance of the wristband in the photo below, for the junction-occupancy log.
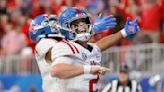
(123, 32)
(87, 69)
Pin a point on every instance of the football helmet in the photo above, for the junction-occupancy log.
(44, 26)
(70, 17)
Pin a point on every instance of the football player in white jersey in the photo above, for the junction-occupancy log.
(54, 64)
(79, 22)
(43, 30)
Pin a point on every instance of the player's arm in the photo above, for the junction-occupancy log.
(62, 68)
(63, 63)
(130, 29)
(66, 71)
(109, 41)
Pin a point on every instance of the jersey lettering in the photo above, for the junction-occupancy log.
(91, 84)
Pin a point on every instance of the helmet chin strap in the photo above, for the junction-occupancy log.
(83, 36)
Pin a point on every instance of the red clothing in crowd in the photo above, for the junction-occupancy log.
(25, 30)
(37, 9)
(151, 18)
(126, 2)
(162, 33)
(11, 4)
(125, 14)
(163, 11)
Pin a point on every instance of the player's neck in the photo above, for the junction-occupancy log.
(84, 44)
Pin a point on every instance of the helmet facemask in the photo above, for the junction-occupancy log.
(73, 14)
(50, 23)
(82, 27)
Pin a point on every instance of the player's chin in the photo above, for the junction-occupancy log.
(84, 40)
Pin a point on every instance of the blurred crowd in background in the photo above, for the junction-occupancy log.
(16, 15)
(16, 46)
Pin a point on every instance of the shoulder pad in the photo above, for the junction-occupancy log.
(44, 45)
(62, 48)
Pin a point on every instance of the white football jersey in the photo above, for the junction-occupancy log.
(79, 56)
(49, 83)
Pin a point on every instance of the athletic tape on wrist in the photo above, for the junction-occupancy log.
(87, 69)
(123, 31)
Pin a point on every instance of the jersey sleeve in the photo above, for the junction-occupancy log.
(44, 45)
(61, 49)
(63, 59)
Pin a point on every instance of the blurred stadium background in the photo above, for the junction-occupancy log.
(144, 53)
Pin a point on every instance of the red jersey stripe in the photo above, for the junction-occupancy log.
(36, 53)
(75, 48)
(69, 46)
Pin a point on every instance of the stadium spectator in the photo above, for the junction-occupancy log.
(95, 4)
(162, 33)
(151, 18)
(3, 20)
(12, 44)
(13, 41)
(3, 7)
(128, 8)
(37, 9)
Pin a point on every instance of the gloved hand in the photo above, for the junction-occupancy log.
(131, 28)
(102, 24)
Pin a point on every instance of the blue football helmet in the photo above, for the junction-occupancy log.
(44, 26)
(72, 14)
